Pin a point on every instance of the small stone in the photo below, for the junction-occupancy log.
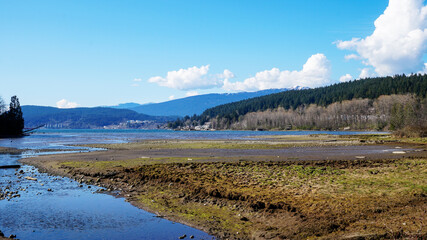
(49, 190)
(31, 178)
(399, 152)
(12, 236)
(191, 236)
(183, 236)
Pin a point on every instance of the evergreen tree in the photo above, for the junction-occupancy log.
(12, 121)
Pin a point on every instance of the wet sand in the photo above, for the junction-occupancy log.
(369, 152)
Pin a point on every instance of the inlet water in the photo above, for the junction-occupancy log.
(58, 208)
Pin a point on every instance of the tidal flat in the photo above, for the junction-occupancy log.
(297, 187)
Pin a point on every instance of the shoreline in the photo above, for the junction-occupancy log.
(117, 168)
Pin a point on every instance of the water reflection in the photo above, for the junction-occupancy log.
(60, 208)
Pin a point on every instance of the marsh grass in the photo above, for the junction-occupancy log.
(318, 198)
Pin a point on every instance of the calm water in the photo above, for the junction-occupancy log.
(72, 212)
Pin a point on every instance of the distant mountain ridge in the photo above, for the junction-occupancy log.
(196, 104)
(82, 118)
(125, 105)
(99, 117)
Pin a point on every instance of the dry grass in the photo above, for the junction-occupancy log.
(279, 199)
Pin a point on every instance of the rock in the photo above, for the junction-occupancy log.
(191, 236)
(49, 190)
(183, 236)
(399, 152)
(12, 236)
(31, 178)
(1, 234)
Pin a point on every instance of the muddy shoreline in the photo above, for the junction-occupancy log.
(233, 190)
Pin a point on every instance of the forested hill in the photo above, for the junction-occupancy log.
(82, 117)
(367, 88)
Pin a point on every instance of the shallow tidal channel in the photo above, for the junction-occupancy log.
(38, 206)
(52, 207)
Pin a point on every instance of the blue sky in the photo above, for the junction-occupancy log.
(92, 53)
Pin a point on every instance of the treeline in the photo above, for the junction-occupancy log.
(405, 114)
(384, 103)
(11, 120)
(370, 88)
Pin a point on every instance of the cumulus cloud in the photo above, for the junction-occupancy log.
(352, 56)
(63, 103)
(227, 74)
(399, 41)
(192, 78)
(366, 73)
(346, 78)
(191, 93)
(425, 69)
(171, 97)
(315, 72)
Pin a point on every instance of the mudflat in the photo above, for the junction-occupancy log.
(298, 187)
(6, 150)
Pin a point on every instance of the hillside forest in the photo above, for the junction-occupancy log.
(388, 103)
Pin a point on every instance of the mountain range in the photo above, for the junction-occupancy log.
(195, 104)
(122, 114)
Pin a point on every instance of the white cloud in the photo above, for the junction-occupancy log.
(366, 73)
(171, 97)
(424, 70)
(352, 56)
(192, 78)
(399, 41)
(66, 104)
(346, 78)
(191, 93)
(227, 74)
(137, 79)
(134, 85)
(315, 72)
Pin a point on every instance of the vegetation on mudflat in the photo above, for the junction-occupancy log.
(290, 199)
(276, 142)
